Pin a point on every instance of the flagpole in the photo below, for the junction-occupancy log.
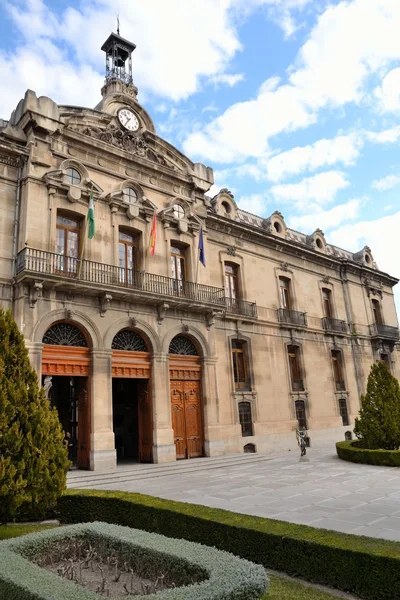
(198, 260)
(85, 231)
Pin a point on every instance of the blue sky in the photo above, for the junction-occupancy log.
(294, 103)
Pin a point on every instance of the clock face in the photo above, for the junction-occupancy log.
(128, 119)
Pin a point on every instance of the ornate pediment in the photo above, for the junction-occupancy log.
(138, 145)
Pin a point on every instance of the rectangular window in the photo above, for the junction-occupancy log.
(178, 266)
(338, 370)
(301, 414)
(295, 369)
(127, 257)
(67, 244)
(245, 418)
(231, 281)
(344, 412)
(327, 300)
(376, 309)
(240, 369)
(285, 297)
(385, 358)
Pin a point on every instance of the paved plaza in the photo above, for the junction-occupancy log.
(322, 491)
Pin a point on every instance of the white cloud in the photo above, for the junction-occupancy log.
(254, 203)
(327, 219)
(386, 183)
(386, 136)
(317, 190)
(327, 152)
(351, 41)
(388, 94)
(229, 79)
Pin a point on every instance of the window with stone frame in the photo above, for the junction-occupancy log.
(245, 418)
(127, 256)
(296, 378)
(285, 293)
(68, 234)
(344, 413)
(385, 358)
(178, 265)
(327, 302)
(377, 312)
(300, 407)
(240, 365)
(337, 365)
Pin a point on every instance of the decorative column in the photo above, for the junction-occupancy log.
(35, 356)
(102, 444)
(212, 446)
(163, 435)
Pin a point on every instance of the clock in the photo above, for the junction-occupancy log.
(128, 119)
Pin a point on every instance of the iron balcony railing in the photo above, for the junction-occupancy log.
(292, 317)
(237, 306)
(48, 263)
(340, 386)
(335, 325)
(384, 331)
(297, 385)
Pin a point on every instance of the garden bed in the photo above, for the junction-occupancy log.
(88, 561)
(353, 451)
(367, 567)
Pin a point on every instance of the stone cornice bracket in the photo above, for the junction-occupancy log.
(210, 319)
(326, 280)
(133, 321)
(105, 302)
(162, 309)
(35, 293)
(68, 314)
(231, 250)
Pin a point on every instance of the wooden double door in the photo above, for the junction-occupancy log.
(187, 421)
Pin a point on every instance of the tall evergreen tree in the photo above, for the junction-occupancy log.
(379, 422)
(33, 454)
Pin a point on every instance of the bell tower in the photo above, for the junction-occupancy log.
(118, 66)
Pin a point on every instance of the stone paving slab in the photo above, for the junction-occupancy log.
(323, 492)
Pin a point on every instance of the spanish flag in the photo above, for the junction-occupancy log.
(153, 235)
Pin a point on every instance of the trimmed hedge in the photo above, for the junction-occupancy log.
(354, 452)
(365, 566)
(219, 575)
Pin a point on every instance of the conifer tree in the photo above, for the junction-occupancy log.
(379, 422)
(33, 454)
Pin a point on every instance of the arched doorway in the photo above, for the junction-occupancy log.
(66, 379)
(132, 411)
(187, 417)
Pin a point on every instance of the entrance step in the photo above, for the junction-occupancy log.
(141, 472)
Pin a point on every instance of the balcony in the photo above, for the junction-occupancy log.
(334, 325)
(67, 273)
(292, 317)
(384, 332)
(340, 386)
(237, 306)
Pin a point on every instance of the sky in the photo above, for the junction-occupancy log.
(294, 103)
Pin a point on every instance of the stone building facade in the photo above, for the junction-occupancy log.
(155, 357)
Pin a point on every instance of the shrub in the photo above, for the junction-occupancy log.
(33, 456)
(367, 567)
(379, 423)
(226, 577)
(354, 452)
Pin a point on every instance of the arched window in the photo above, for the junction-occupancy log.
(180, 344)
(130, 340)
(249, 449)
(130, 195)
(178, 212)
(65, 334)
(245, 418)
(73, 176)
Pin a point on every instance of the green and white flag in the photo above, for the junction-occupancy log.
(90, 217)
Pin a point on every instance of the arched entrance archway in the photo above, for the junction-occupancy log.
(66, 369)
(186, 406)
(132, 410)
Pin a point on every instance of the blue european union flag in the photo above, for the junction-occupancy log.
(202, 255)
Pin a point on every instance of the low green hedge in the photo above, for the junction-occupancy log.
(353, 452)
(219, 575)
(367, 567)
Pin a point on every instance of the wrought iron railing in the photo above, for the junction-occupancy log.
(384, 331)
(49, 263)
(340, 386)
(238, 306)
(297, 385)
(292, 317)
(335, 325)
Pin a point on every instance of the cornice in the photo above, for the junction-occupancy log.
(268, 240)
